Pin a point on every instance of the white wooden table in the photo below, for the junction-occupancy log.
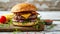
(53, 15)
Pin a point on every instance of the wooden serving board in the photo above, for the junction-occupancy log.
(12, 28)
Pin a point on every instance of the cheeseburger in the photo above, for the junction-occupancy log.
(24, 15)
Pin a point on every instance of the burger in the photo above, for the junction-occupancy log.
(24, 15)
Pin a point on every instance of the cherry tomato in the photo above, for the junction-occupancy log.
(2, 19)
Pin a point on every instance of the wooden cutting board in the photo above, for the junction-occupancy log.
(12, 28)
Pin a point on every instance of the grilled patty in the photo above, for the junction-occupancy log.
(17, 18)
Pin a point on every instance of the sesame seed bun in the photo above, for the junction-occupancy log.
(23, 7)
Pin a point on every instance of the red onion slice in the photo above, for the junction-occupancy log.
(21, 20)
(33, 16)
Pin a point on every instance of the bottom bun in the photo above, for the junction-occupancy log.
(25, 24)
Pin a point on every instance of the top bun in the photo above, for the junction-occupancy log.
(23, 7)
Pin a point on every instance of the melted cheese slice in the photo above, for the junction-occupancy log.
(26, 15)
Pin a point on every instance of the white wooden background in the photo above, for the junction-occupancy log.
(53, 15)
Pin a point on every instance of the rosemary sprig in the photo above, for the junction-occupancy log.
(51, 26)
